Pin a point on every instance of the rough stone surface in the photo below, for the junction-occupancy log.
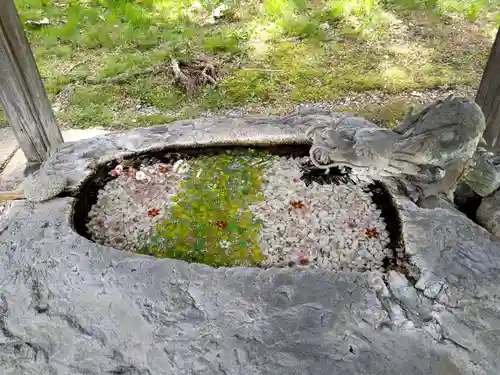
(483, 175)
(38, 187)
(488, 213)
(71, 306)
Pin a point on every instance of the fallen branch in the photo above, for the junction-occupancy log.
(74, 66)
(126, 77)
(10, 196)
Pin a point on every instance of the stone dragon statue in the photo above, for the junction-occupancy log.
(428, 152)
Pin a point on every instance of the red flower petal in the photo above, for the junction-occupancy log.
(153, 212)
(221, 224)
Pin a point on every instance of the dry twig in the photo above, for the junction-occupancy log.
(126, 77)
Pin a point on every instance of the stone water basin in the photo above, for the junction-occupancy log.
(72, 306)
(242, 207)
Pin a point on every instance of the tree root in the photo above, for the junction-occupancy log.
(189, 76)
(180, 78)
(195, 74)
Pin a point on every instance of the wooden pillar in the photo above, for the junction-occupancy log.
(27, 107)
(488, 96)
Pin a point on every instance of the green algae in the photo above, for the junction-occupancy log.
(211, 222)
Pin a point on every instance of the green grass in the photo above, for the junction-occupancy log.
(471, 10)
(387, 114)
(272, 53)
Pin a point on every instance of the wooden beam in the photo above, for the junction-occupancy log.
(488, 96)
(27, 107)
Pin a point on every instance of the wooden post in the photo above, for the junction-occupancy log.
(22, 93)
(488, 96)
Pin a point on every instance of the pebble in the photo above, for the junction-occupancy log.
(323, 214)
(324, 241)
(329, 230)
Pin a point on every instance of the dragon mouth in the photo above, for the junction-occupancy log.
(327, 162)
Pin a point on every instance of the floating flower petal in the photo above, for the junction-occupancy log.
(297, 204)
(221, 224)
(118, 170)
(153, 212)
(371, 233)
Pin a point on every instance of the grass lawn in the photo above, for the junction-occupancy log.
(269, 54)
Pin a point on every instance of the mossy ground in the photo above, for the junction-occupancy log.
(211, 222)
(272, 53)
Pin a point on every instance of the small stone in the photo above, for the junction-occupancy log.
(355, 245)
(397, 280)
(433, 290)
(141, 176)
(324, 241)
(363, 253)
(442, 298)
(323, 214)
(368, 256)
(325, 264)
(340, 242)
(323, 225)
